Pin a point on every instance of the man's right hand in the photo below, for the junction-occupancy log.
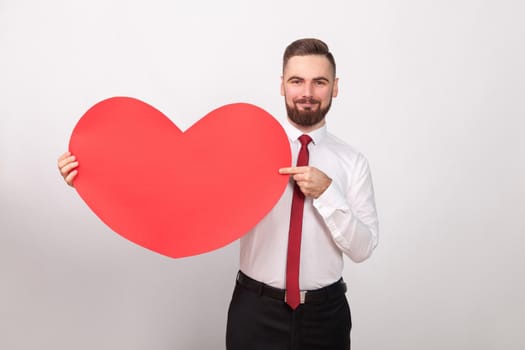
(67, 164)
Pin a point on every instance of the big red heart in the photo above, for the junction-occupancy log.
(179, 193)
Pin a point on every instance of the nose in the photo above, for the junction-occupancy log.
(308, 89)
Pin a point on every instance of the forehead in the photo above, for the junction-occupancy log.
(310, 66)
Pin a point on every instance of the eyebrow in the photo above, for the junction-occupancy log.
(315, 79)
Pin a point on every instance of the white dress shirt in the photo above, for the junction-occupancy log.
(342, 220)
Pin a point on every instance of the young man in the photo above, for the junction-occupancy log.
(338, 217)
(289, 293)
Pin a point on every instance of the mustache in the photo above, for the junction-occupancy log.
(310, 100)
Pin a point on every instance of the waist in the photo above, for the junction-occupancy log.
(320, 295)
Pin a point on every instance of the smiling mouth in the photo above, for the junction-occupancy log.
(306, 106)
(307, 103)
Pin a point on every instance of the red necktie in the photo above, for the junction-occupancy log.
(294, 237)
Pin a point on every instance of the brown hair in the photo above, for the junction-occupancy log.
(305, 47)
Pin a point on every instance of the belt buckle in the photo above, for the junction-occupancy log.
(302, 296)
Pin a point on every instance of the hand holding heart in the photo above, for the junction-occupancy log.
(67, 166)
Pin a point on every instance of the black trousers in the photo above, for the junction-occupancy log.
(259, 322)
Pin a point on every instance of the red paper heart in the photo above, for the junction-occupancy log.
(176, 193)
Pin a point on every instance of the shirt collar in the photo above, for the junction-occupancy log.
(293, 133)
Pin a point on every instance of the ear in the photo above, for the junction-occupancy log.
(335, 90)
(282, 85)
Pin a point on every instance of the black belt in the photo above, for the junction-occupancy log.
(310, 296)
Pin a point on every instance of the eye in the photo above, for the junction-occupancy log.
(295, 81)
(320, 82)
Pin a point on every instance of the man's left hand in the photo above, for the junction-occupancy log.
(312, 181)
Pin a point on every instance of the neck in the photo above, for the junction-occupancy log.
(308, 128)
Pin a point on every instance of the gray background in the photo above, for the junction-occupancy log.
(430, 91)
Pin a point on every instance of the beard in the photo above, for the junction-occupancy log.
(307, 117)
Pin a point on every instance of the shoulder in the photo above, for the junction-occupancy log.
(345, 151)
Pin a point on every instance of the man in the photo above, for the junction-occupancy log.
(289, 293)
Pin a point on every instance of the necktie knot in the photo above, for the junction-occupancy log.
(305, 140)
(303, 156)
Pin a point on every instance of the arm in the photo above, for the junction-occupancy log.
(350, 215)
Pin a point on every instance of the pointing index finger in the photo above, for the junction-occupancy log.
(292, 170)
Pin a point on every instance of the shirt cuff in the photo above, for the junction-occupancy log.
(330, 200)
